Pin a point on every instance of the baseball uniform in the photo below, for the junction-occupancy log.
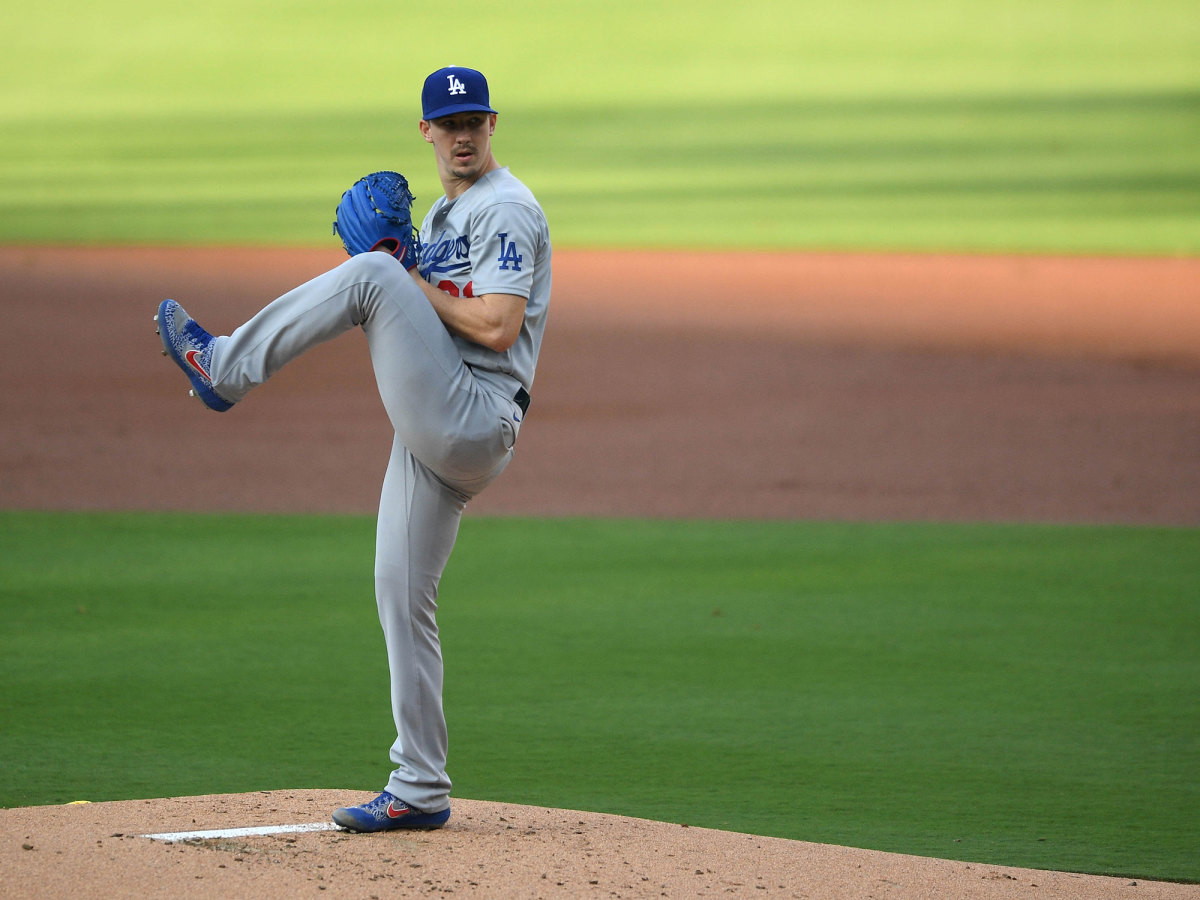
(456, 407)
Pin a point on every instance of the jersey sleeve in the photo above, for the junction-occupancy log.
(504, 243)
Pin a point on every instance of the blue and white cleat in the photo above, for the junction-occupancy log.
(191, 347)
(386, 813)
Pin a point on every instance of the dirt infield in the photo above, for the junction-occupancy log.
(671, 385)
(948, 388)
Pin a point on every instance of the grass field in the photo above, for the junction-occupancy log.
(1024, 695)
(1070, 127)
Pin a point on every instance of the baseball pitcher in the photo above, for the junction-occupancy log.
(454, 317)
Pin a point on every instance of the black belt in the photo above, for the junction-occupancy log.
(521, 398)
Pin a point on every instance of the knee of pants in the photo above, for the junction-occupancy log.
(376, 266)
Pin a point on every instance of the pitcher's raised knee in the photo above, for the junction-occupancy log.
(377, 266)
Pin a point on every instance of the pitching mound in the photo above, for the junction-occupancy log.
(487, 850)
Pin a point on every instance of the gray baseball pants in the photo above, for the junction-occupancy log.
(454, 433)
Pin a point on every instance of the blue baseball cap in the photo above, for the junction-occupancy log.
(454, 90)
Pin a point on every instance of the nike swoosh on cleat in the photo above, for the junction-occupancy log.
(193, 357)
(394, 813)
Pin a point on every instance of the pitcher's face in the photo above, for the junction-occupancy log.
(462, 144)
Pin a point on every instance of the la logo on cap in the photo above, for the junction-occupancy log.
(454, 89)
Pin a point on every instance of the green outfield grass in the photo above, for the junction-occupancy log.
(1072, 126)
(1018, 695)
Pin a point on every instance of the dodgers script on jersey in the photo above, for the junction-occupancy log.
(493, 239)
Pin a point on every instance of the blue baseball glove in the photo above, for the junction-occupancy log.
(376, 214)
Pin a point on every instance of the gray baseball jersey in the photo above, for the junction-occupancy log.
(455, 407)
(493, 239)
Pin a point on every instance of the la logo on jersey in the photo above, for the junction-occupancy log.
(508, 253)
(456, 86)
